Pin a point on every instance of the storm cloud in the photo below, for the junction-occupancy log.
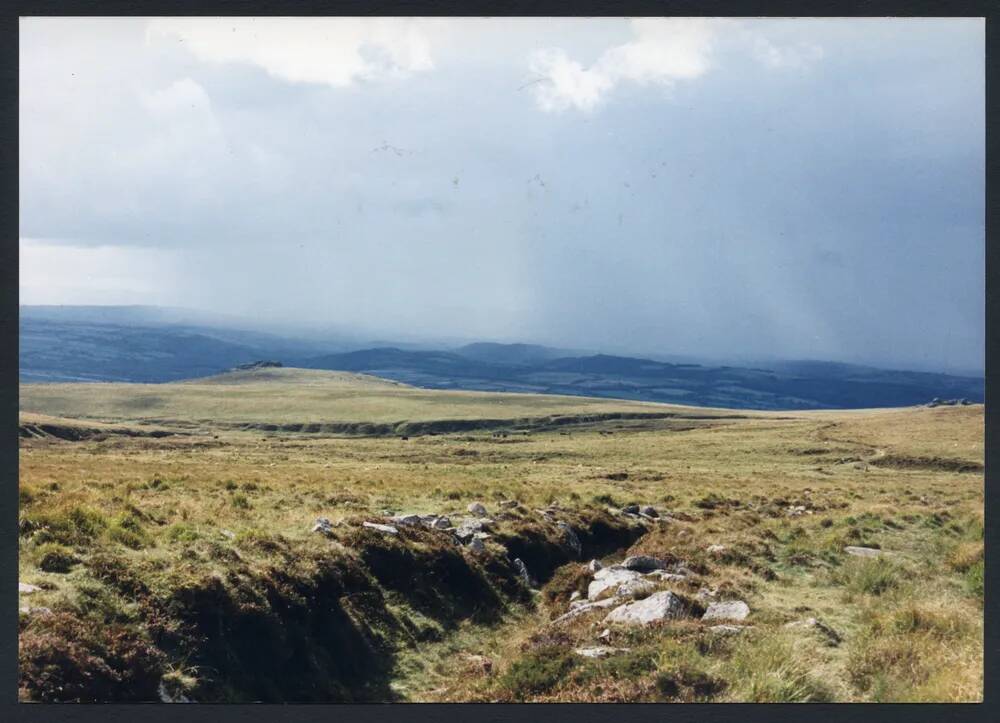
(722, 188)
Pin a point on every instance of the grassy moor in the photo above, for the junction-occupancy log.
(300, 535)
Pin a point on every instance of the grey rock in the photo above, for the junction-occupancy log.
(600, 651)
(663, 605)
(863, 551)
(406, 520)
(631, 509)
(522, 572)
(587, 607)
(323, 526)
(604, 634)
(727, 629)
(570, 539)
(715, 549)
(476, 544)
(388, 529)
(609, 578)
(508, 504)
(728, 610)
(643, 563)
(25, 588)
(594, 565)
(635, 588)
(575, 596)
(648, 511)
(667, 576)
(477, 509)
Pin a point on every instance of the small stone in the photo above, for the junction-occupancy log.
(570, 539)
(635, 588)
(643, 563)
(476, 544)
(522, 571)
(578, 610)
(406, 520)
(862, 551)
(610, 578)
(649, 511)
(663, 605)
(575, 596)
(388, 529)
(728, 610)
(605, 634)
(24, 588)
(508, 504)
(323, 526)
(715, 550)
(631, 509)
(477, 509)
(601, 651)
(727, 629)
(594, 565)
(667, 576)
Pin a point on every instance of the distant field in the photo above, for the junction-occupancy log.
(176, 559)
(301, 396)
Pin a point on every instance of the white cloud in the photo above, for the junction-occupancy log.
(798, 55)
(663, 51)
(60, 273)
(330, 51)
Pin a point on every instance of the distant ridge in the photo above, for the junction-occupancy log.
(141, 344)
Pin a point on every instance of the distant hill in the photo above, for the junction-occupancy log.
(149, 344)
(843, 387)
(511, 353)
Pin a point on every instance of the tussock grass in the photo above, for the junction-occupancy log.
(195, 564)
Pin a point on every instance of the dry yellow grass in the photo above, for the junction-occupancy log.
(728, 480)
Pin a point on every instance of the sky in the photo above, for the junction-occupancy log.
(724, 188)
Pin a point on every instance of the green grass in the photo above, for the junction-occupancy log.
(192, 554)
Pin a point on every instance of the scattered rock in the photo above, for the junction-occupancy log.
(594, 565)
(476, 544)
(388, 529)
(522, 571)
(586, 607)
(508, 504)
(477, 509)
(570, 539)
(663, 605)
(323, 526)
(601, 651)
(635, 588)
(705, 594)
(469, 527)
(862, 551)
(407, 520)
(643, 563)
(610, 578)
(727, 629)
(667, 576)
(831, 635)
(25, 588)
(796, 510)
(728, 610)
